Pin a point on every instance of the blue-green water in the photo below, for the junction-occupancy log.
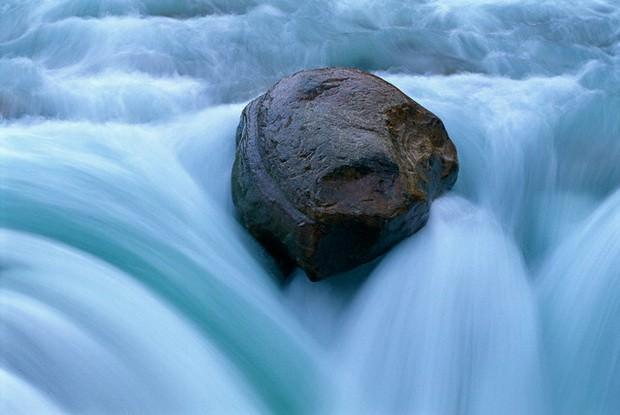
(127, 287)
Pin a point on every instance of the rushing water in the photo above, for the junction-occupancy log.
(128, 287)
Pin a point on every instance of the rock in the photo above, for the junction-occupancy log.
(334, 166)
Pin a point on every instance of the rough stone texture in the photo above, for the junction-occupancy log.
(334, 166)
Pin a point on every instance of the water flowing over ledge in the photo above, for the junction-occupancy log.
(128, 286)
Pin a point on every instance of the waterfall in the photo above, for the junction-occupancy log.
(127, 285)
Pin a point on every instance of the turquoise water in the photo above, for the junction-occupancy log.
(128, 287)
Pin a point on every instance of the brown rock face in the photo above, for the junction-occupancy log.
(334, 166)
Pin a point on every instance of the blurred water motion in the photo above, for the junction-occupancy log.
(128, 287)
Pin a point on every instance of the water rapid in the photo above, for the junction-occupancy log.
(127, 286)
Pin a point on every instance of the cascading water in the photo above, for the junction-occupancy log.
(128, 287)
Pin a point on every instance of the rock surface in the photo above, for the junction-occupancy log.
(334, 166)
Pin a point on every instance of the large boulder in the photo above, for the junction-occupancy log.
(334, 166)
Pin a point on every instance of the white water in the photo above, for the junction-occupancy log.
(128, 287)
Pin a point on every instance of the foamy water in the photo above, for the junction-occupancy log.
(128, 287)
